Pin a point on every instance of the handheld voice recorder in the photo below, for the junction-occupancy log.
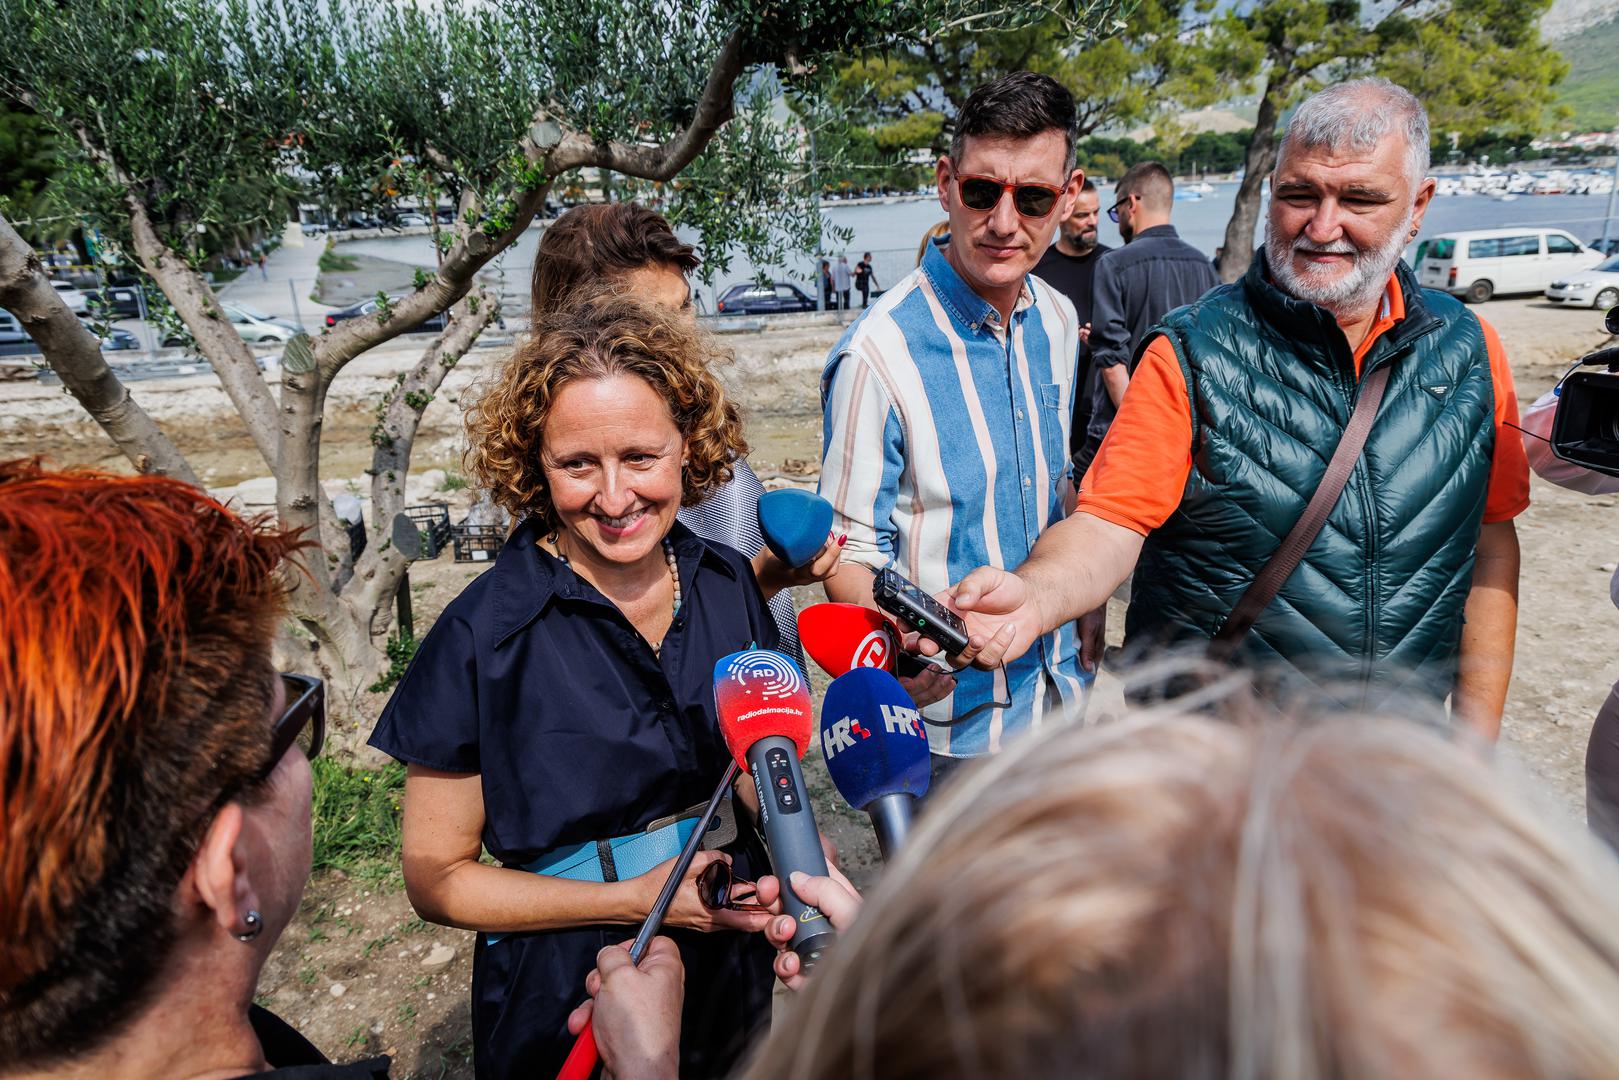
(919, 611)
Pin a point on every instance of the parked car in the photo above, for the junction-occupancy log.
(1597, 287)
(115, 301)
(411, 219)
(254, 326)
(430, 325)
(1479, 265)
(74, 299)
(756, 299)
(11, 331)
(1610, 246)
(116, 339)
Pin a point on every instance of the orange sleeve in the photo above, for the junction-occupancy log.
(1140, 471)
(1508, 494)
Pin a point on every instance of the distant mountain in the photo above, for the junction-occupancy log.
(1591, 87)
(1568, 17)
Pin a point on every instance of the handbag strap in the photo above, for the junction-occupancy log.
(1268, 582)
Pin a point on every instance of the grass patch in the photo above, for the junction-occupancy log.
(333, 263)
(356, 819)
(453, 481)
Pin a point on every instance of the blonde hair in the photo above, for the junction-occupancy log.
(936, 230)
(603, 334)
(1179, 896)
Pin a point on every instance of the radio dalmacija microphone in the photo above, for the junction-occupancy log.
(840, 637)
(763, 704)
(876, 750)
(795, 524)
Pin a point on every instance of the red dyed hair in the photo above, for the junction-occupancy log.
(136, 615)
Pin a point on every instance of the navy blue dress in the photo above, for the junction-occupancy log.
(535, 681)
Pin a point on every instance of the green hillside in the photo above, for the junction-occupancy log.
(1592, 86)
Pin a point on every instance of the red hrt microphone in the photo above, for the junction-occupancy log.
(764, 711)
(842, 637)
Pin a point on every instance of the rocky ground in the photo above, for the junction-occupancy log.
(360, 973)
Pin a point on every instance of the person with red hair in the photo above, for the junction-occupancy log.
(154, 818)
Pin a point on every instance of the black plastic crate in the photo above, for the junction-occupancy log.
(478, 543)
(433, 521)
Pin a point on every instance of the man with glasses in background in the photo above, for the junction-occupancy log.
(1136, 285)
(948, 404)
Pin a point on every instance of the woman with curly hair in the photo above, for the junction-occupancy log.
(633, 248)
(560, 712)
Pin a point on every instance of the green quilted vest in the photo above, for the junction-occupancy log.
(1375, 607)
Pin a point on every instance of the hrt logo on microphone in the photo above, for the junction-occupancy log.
(841, 736)
(902, 720)
(897, 720)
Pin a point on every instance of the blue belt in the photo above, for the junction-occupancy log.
(612, 860)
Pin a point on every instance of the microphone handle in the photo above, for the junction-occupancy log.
(791, 835)
(891, 817)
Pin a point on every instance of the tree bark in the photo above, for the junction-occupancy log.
(382, 566)
(1258, 162)
(74, 353)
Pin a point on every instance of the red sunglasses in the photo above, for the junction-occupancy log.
(983, 193)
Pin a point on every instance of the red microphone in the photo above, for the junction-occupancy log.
(842, 637)
(766, 718)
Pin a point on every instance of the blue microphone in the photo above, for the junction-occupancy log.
(795, 524)
(876, 751)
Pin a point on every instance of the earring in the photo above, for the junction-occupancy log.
(255, 926)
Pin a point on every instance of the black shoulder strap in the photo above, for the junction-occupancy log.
(1268, 582)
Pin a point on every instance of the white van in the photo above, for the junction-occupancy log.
(1479, 265)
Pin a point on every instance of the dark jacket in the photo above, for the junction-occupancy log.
(293, 1057)
(1375, 608)
(1136, 285)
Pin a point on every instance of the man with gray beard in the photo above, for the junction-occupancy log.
(1232, 416)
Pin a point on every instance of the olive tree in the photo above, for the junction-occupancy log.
(174, 108)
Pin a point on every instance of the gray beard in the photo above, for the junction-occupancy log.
(1353, 292)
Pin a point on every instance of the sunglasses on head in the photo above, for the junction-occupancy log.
(303, 721)
(983, 193)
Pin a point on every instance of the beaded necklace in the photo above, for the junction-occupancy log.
(674, 576)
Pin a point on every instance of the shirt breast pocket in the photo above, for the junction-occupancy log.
(1054, 423)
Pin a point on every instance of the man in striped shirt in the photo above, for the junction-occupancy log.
(947, 406)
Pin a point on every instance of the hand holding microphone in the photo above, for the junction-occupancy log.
(634, 1010)
(833, 894)
(799, 546)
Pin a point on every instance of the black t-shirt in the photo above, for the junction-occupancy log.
(1071, 275)
(293, 1057)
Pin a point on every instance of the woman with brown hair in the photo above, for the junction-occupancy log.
(560, 712)
(633, 248)
(154, 811)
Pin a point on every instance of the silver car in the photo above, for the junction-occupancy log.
(1597, 287)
